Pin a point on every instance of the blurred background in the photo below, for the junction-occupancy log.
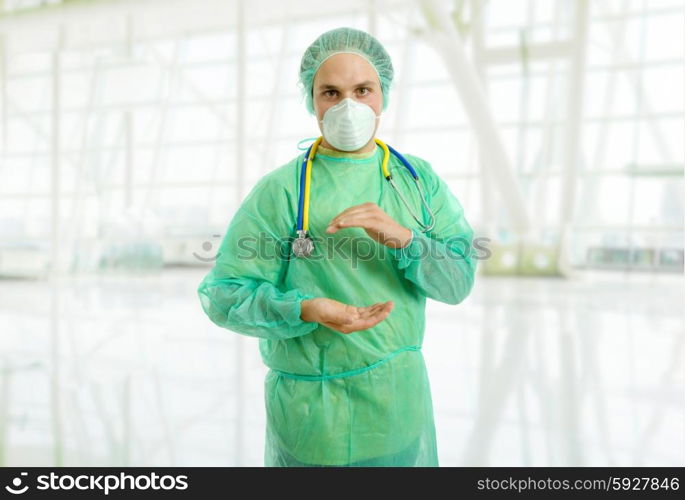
(131, 131)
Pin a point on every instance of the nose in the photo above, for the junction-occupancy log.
(350, 94)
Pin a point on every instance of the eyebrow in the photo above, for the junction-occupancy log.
(327, 86)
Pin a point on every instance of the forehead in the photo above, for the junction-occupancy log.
(345, 70)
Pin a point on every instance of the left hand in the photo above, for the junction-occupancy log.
(377, 224)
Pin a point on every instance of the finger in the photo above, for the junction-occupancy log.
(348, 210)
(371, 310)
(356, 325)
(379, 304)
(357, 209)
(336, 222)
(346, 313)
(352, 318)
(374, 306)
(385, 308)
(374, 315)
(358, 220)
(366, 221)
(365, 324)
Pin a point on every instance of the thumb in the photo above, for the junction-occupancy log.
(344, 314)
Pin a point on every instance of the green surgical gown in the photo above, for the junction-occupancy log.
(335, 399)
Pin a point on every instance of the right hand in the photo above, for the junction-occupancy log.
(344, 318)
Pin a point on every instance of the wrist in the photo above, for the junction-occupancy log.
(306, 310)
(407, 241)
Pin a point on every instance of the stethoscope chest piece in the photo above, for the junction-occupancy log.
(303, 246)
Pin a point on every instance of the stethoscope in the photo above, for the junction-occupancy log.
(303, 244)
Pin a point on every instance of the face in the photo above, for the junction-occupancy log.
(346, 75)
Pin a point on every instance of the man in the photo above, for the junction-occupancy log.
(341, 330)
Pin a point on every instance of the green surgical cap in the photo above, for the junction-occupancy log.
(344, 40)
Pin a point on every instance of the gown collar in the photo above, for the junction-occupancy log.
(344, 154)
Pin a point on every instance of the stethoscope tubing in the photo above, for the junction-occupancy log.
(403, 160)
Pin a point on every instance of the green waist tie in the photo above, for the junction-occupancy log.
(349, 373)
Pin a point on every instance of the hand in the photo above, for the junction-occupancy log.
(344, 318)
(377, 224)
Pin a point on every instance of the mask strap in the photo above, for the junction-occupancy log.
(306, 147)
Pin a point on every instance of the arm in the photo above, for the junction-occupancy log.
(241, 293)
(441, 262)
(254, 308)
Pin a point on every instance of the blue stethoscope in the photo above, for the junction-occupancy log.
(303, 244)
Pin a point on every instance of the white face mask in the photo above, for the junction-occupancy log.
(349, 125)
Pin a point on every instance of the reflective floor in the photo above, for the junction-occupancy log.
(115, 370)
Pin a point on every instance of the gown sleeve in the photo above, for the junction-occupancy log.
(441, 262)
(243, 292)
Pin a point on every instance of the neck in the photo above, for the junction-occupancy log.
(370, 146)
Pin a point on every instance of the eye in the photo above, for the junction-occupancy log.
(365, 88)
(326, 93)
